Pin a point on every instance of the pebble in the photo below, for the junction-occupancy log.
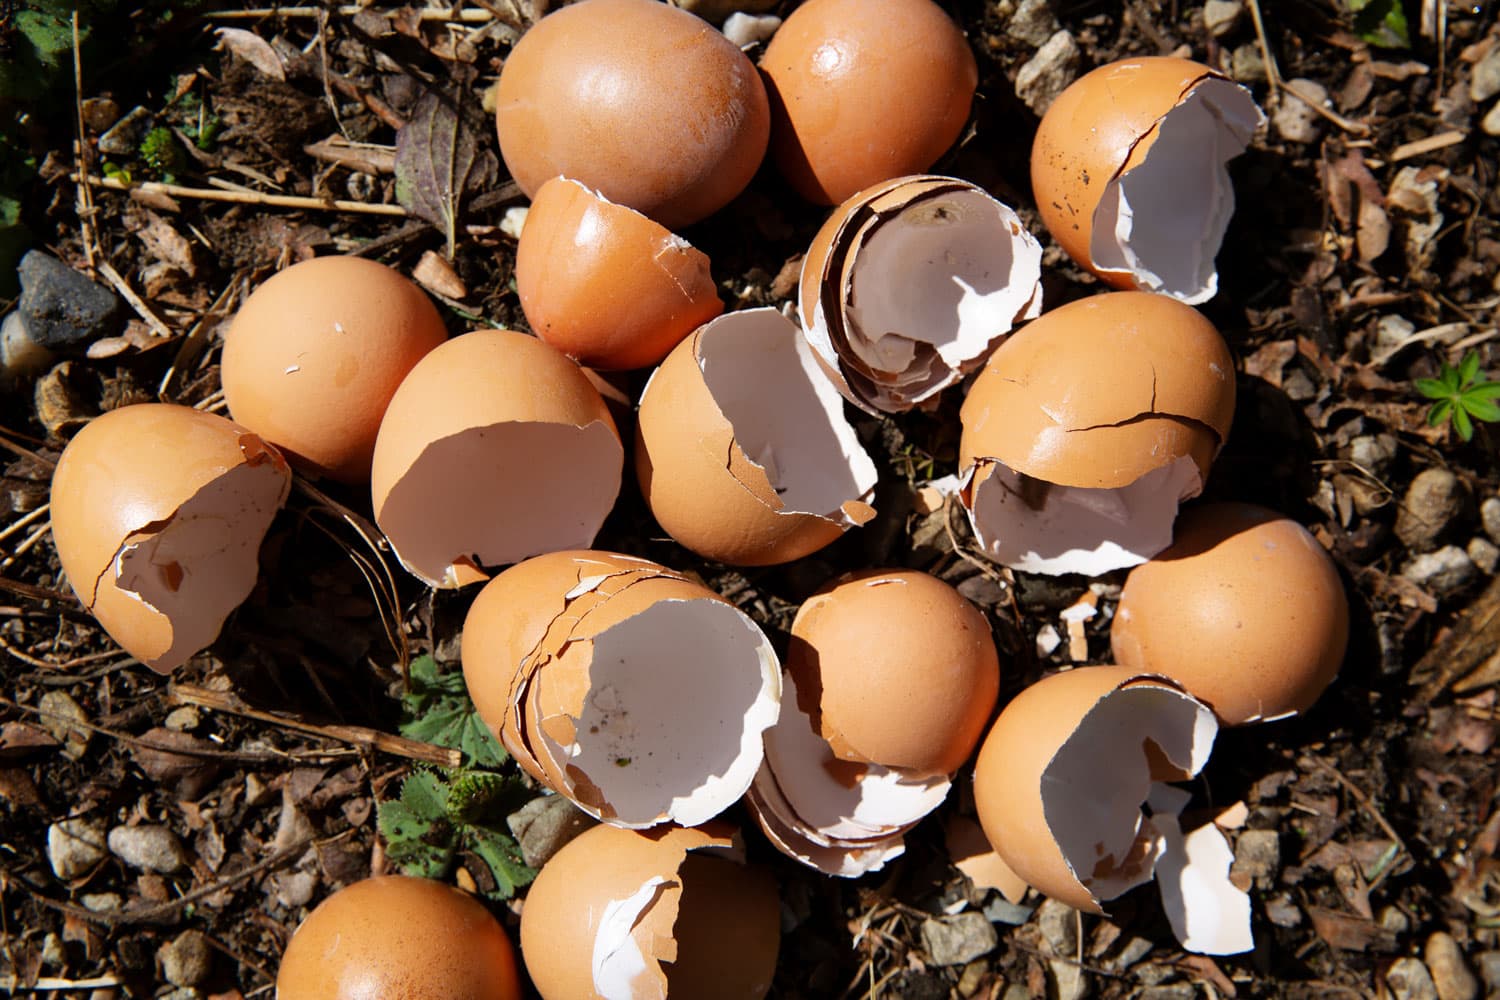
(59, 712)
(148, 848)
(1032, 23)
(1489, 516)
(1489, 968)
(1484, 79)
(1246, 64)
(982, 590)
(1048, 73)
(1490, 125)
(1484, 553)
(63, 308)
(1374, 453)
(1171, 991)
(958, 939)
(1221, 17)
(187, 959)
(1450, 973)
(543, 826)
(1257, 854)
(20, 355)
(1395, 920)
(183, 719)
(1443, 572)
(1016, 991)
(124, 137)
(1434, 500)
(1068, 979)
(294, 889)
(74, 846)
(1135, 949)
(745, 30)
(1058, 923)
(54, 955)
(1282, 912)
(1408, 979)
(101, 902)
(1294, 117)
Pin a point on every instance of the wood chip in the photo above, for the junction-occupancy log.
(1432, 143)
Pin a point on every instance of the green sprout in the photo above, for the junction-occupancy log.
(1461, 396)
(160, 152)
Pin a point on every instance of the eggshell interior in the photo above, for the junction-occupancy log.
(1208, 914)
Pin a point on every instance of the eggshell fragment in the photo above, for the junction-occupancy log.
(395, 936)
(1128, 169)
(604, 284)
(1257, 590)
(158, 512)
(1088, 427)
(1208, 914)
(910, 285)
(494, 448)
(621, 915)
(742, 449)
(638, 694)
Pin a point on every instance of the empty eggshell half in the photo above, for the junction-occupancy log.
(910, 285)
(1088, 427)
(742, 449)
(604, 284)
(619, 915)
(494, 448)
(640, 695)
(1128, 169)
(158, 513)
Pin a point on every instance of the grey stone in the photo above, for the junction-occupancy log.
(544, 825)
(1135, 949)
(1489, 516)
(1221, 17)
(124, 136)
(1484, 553)
(1490, 125)
(1246, 64)
(745, 30)
(1032, 22)
(1374, 453)
(1395, 920)
(1450, 973)
(148, 848)
(59, 714)
(74, 846)
(1484, 79)
(1408, 979)
(101, 902)
(1294, 117)
(187, 959)
(1068, 980)
(1443, 572)
(64, 309)
(1257, 854)
(1282, 912)
(1048, 73)
(1489, 968)
(182, 993)
(1002, 911)
(1434, 500)
(958, 939)
(1058, 923)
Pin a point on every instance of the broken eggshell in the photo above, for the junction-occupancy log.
(618, 914)
(1128, 169)
(1088, 427)
(494, 448)
(742, 449)
(910, 285)
(158, 512)
(640, 695)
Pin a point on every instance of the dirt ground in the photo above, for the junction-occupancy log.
(1364, 256)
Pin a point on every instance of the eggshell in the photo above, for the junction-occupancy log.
(315, 354)
(1245, 610)
(158, 512)
(742, 449)
(648, 105)
(395, 936)
(494, 448)
(864, 90)
(902, 668)
(668, 911)
(1128, 171)
(604, 284)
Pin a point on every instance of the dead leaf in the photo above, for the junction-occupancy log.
(1350, 933)
(252, 48)
(440, 162)
(1269, 359)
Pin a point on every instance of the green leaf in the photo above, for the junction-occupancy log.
(1468, 369)
(437, 709)
(1480, 409)
(500, 851)
(418, 836)
(1439, 413)
(1462, 423)
(1381, 23)
(1433, 389)
(1483, 390)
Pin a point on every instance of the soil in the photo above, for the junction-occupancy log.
(1370, 823)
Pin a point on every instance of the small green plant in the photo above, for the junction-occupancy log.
(161, 153)
(1381, 23)
(436, 709)
(1461, 396)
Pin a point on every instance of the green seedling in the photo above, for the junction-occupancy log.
(1381, 23)
(161, 153)
(1461, 396)
(436, 709)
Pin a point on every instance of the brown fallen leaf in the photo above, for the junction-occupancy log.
(1348, 932)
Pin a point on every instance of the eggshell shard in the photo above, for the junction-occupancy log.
(667, 912)
(742, 449)
(1208, 914)
(910, 285)
(158, 513)
(1087, 428)
(604, 284)
(641, 696)
(314, 355)
(1128, 168)
(494, 448)
(398, 936)
(648, 105)
(1254, 587)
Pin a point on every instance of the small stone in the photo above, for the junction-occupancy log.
(1016, 991)
(1171, 991)
(1058, 923)
(1221, 17)
(545, 825)
(20, 356)
(1068, 980)
(1450, 973)
(59, 714)
(1484, 78)
(1489, 968)
(53, 953)
(1294, 117)
(1489, 516)
(747, 30)
(99, 113)
(1491, 123)
(959, 939)
(1434, 500)
(187, 959)
(1374, 453)
(1048, 73)
(1395, 920)
(1135, 949)
(1246, 64)
(181, 993)
(1032, 23)
(1408, 979)
(183, 719)
(1282, 912)
(74, 846)
(1444, 572)
(64, 309)
(1484, 553)
(124, 137)
(148, 848)
(101, 902)
(982, 590)
(1257, 855)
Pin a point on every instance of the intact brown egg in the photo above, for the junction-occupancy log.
(315, 354)
(648, 105)
(865, 90)
(395, 936)
(1245, 610)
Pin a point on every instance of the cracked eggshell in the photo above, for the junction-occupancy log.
(742, 449)
(314, 355)
(158, 513)
(604, 284)
(495, 448)
(1245, 610)
(910, 284)
(899, 669)
(1128, 172)
(618, 913)
(648, 105)
(396, 936)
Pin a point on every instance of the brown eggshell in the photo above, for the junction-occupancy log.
(648, 105)
(864, 90)
(604, 284)
(395, 936)
(315, 354)
(906, 667)
(1245, 610)
(140, 476)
